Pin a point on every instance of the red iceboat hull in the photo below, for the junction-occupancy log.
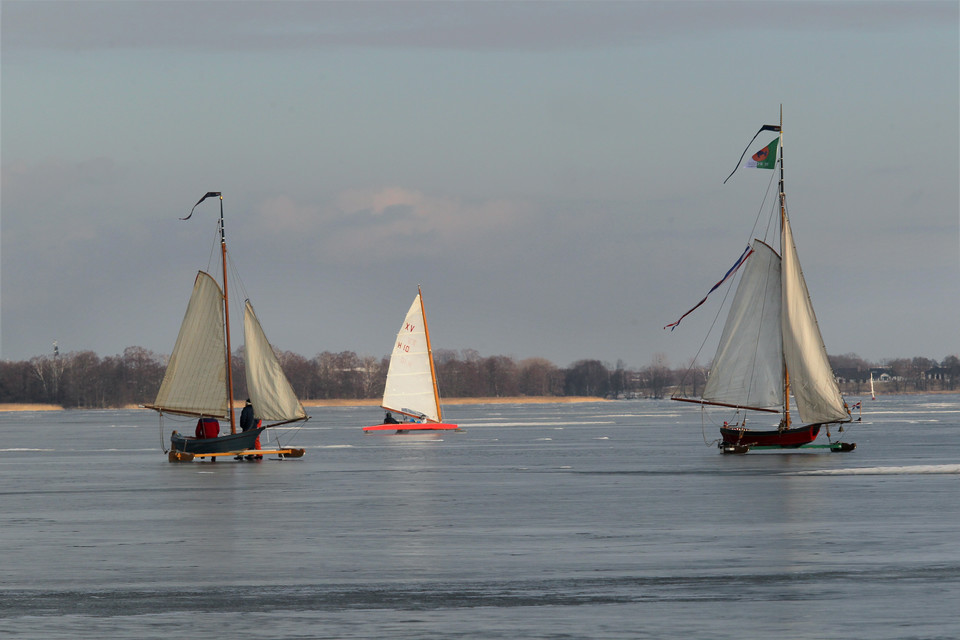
(412, 426)
(775, 438)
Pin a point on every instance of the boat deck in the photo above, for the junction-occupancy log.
(183, 456)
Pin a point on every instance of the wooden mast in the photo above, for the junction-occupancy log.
(226, 316)
(433, 371)
(783, 223)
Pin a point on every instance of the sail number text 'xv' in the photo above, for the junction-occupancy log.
(405, 347)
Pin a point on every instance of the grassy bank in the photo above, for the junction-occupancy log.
(15, 406)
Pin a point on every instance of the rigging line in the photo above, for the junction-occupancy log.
(162, 445)
(235, 280)
(214, 252)
(763, 205)
(774, 217)
(214, 256)
(238, 288)
(703, 429)
(294, 431)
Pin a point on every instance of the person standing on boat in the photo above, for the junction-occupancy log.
(247, 419)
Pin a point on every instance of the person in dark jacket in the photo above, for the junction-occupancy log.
(389, 419)
(247, 419)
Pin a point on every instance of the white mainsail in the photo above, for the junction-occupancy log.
(747, 370)
(410, 387)
(270, 391)
(196, 378)
(811, 378)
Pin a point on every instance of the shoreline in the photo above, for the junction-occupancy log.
(9, 407)
(348, 402)
(375, 402)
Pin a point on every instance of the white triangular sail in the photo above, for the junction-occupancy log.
(196, 378)
(410, 387)
(747, 370)
(270, 392)
(811, 378)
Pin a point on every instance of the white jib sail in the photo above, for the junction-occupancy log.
(196, 377)
(748, 368)
(409, 388)
(270, 392)
(811, 378)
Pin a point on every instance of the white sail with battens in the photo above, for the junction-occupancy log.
(196, 378)
(410, 388)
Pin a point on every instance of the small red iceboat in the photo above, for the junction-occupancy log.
(404, 427)
(411, 387)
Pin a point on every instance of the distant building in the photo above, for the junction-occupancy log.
(883, 375)
(937, 373)
(851, 375)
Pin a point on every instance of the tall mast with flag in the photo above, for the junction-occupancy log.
(771, 346)
(226, 301)
(199, 377)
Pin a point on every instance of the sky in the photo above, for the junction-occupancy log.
(550, 173)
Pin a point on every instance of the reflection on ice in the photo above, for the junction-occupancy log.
(880, 471)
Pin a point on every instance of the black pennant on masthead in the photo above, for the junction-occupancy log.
(210, 194)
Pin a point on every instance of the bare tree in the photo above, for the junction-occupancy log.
(587, 378)
(658, 376)
(539, 377)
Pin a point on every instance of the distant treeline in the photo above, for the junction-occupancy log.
(85, 380)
